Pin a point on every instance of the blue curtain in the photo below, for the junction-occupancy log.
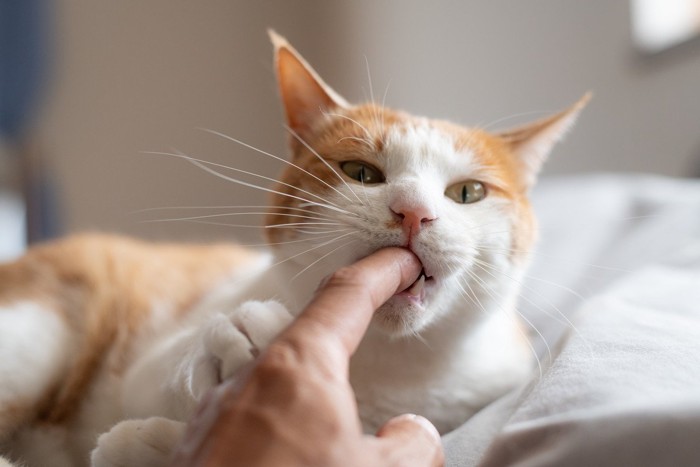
(24, 29)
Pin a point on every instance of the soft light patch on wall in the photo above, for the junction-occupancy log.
(660, 24)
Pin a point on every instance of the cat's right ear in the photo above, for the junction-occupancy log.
(304, 94)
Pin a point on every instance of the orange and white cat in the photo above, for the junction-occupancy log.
(102, 336)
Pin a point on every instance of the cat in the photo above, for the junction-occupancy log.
(113, 337)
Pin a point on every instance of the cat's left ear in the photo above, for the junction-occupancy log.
(304, 94)
(532, 143)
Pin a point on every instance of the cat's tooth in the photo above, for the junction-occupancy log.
(417, 286)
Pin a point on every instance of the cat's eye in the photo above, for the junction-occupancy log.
(363, 173)
(466, 192)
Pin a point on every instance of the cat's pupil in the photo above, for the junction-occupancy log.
(466, 192)
(363, 173)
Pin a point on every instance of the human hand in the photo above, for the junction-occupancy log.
(296, 406)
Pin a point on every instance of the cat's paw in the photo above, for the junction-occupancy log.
(134, 443)
(232, 339)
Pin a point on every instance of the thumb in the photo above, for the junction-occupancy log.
(411, 440)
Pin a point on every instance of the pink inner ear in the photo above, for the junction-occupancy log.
(533, 143)
(304, 94)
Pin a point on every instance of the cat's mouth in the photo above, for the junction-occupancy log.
(405, 313)
(416, 292)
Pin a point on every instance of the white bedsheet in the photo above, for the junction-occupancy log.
(622, 388)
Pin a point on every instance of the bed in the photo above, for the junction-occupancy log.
(614, 292)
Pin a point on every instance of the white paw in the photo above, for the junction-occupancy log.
(134, 443)
(233, 339)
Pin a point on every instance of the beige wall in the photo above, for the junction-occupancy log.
(139, 76)
(143, 76)
(478, 62)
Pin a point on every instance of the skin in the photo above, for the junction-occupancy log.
(295, 406)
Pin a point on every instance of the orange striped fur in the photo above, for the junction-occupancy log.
(104, 286)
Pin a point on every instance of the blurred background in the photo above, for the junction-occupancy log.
(87, 87)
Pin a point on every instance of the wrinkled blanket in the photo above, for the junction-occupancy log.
(614, 293)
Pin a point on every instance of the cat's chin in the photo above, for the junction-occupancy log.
(401, 315)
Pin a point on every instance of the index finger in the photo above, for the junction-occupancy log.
(344, 305)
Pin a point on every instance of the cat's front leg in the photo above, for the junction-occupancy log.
(230, 340)
(176, 372)
(208, 355)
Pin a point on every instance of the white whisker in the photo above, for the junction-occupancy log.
(364, 190)
(201, 165)
(482, 265)
(312, 249)
(313, 151)
(248, 226)
(229, 214)
(362, 127)
(375, 110)
(318, 232)
(252, 174)
(369, 80)
(386, 91)
(195, 221)
(305, 224)
(275, 157)
(510, 117)
(505, 250)
(488, 290)
(287, 208)
(303, 240)
(565, 320)
(321, 258)
(358, 139)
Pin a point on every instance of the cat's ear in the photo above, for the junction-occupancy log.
(532, 143)
(304, 94)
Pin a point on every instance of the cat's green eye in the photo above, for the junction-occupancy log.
(466, 192)
(363, 173)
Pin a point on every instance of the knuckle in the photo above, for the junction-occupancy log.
(348, 276)
(291, 358)
(281, 356)
(279, 368)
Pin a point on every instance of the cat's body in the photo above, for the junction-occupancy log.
(97, 330)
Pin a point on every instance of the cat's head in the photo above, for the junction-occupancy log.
(368, 177)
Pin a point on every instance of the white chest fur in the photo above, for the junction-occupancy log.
(446, 375)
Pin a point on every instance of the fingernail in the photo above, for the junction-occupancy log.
(422, 421)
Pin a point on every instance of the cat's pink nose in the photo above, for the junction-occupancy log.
(413, 218)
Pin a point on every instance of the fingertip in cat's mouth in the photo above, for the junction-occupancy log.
(416, 292)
